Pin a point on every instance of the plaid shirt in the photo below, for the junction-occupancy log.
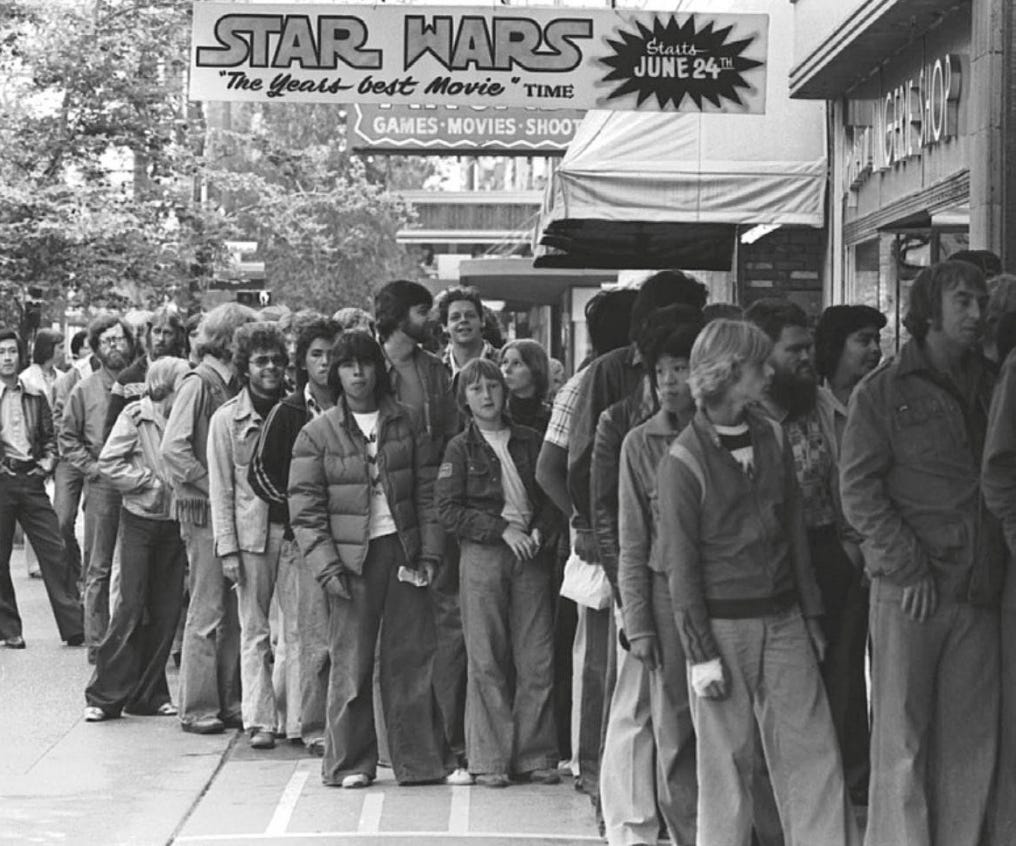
(559, 427)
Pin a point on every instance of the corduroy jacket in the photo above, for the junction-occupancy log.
(730, 542)
(329, 489)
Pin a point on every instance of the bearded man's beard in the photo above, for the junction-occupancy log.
(797, 396)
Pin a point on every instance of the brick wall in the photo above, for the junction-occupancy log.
(785, 263)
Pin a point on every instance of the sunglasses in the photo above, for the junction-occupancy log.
(276, 360)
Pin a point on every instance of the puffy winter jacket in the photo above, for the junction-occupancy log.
(329, 488)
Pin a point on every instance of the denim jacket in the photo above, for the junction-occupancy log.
(239, 516)
(910, 483)
(468, 491)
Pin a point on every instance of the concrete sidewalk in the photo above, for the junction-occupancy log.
(126, 781)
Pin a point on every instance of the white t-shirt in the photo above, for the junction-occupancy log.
(381, 521)
(517, 510)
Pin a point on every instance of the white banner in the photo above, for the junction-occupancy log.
(547, 58)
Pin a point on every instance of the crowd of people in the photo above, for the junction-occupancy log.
(663, 576)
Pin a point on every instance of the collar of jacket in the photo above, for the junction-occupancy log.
(23, 386)
(475, 436)
(913, 358)
(387, 409)
(147, 411)
(661, 424)
(296, 400)
(753, 417)
(222, 370)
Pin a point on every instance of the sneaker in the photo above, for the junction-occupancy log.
(492, 780)
(544, 776)
(316, 747)
(356, 780)
(262, 739)
(459, 777)
(95, 714)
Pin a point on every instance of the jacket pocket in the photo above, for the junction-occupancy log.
(923, 427)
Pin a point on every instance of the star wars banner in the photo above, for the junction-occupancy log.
(547, 58)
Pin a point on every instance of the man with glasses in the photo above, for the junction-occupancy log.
(81, 437)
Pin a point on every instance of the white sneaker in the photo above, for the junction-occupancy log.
(94, 714)
(356, 780)
(460, 777)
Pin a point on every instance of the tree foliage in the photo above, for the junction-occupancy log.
(115, 190)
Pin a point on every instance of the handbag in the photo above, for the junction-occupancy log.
(585, 584)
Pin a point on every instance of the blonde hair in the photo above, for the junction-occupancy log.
(722, 348)
(164, 375)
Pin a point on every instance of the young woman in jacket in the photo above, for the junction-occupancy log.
(488, 497)
(360, 504)
(130, 661)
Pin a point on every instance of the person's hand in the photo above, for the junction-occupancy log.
(537, 539)
(585, 547)
(519, 543)
(920, 599)
(647, 650)
(429, 569)
(817, 637)
(709, 679)
(231, 567)
(336, 586)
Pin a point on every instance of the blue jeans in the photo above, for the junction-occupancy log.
(102, 520)
(508, 622)
(68, 484)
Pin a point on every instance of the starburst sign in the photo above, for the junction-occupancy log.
(673, 61)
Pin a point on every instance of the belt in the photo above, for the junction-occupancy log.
(743, 609)
(16, 465)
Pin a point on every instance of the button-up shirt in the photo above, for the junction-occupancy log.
(13, 428)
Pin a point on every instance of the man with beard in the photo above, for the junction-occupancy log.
(808, 415)
(82, 434)
(910, 477)
(164, 335)
(419, 379)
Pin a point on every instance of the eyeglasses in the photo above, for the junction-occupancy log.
(113, 341)
(266, 360)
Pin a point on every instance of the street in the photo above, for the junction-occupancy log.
(140, 780)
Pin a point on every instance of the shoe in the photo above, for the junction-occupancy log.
(544, 777)
(234, 722)
(459, 777)
(16, 642)
(75, 640)
(209, 725)
(166, 709)
(357, 780)
(492, 780)
(95, 714)
(316, 748)
(262, 739)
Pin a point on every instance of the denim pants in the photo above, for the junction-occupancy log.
(210, 664)
(130, 665)
(263, 678)
(935, 703)
(102, 520)
(285, 621)
(23, 500)
(450, 660)
(773, 679)
(415, 734)
(508, 622)
(314, 661)
(68, 484)
(593, 703)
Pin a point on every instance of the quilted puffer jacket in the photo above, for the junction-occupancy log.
(329, 489)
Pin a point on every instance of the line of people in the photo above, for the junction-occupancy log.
(353, 542)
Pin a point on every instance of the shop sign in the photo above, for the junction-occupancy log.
(548, 58)
(912, 117)
(441, 130)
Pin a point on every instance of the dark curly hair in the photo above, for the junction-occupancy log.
(393, 302)
(357, 345)
(608, 315)
(772, 314)
(248, 337)
(668, 287)
(458, 293)
(835, 325)
(104, 323)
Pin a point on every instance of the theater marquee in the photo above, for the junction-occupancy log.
(546, 58)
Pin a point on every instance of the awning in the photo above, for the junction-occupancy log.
(640, 178)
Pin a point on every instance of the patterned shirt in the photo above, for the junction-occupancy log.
(489, 352)
(559, 427)
(813, 461)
